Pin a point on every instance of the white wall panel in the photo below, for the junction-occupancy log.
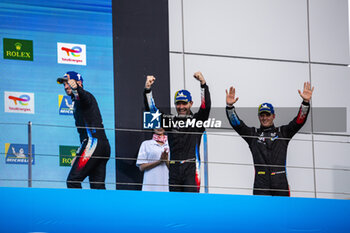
(231, 191)
(332, 161)
(275, 29)
(299, 166)
(331, 88)
(301, 182)
(303, 194)
(231, 177)
(176, 75)
(329, 31)
(332, 152)
(175, 25)
(230, 164)
(333, 196)
(330, 184)
(228, 147)
(256, 81)
(300, 151)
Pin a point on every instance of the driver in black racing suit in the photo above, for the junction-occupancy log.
(183, 141)
(94, 152)
(268, 144)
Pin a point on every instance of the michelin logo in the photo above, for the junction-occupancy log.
(17, 153)
(65, 104)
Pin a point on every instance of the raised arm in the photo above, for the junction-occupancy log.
(204, 110)
(85, 97)
(148, 97)
(237, 124)
(297, 123)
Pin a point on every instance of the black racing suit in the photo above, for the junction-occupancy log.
(184, 143)
(94, 152)
(269, 149)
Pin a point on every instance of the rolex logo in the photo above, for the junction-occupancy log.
(16, 49)
(18, 46)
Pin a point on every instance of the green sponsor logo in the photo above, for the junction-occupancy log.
(18, 49)
(67, 153)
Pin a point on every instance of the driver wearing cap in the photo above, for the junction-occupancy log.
(268, 144)
(184, 142)
(94, 152)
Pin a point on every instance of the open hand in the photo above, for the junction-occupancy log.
(230, 96)
(307, 92)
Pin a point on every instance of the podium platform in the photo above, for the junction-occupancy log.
(68, 210)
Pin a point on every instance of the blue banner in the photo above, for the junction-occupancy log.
(64, 36)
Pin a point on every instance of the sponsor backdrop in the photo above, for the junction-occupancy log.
(40, 41)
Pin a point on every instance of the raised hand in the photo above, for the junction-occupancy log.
(307, 92)
(199, 76)
(72, 83)
(149, 81)
(230, 96)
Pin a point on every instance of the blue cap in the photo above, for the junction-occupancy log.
(72, 75)
(266, 107)
(183, 95)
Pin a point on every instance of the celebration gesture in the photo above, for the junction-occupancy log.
(307, 92)
(72, 83)
(199, 76)
(230, 96)
(149, 81)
